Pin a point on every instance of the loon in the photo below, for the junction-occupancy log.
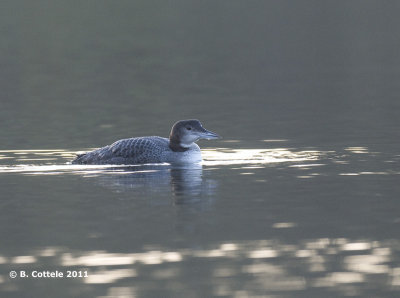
(179, 148)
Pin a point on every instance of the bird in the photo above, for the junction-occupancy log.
(180, 147)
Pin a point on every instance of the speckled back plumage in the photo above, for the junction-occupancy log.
(127, 151)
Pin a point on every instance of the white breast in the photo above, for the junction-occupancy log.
(193, 155)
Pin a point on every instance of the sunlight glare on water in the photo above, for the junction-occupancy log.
(225, 156)
(57, 160)
(257, 261)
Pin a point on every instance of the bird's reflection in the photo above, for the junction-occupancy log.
(185, 182)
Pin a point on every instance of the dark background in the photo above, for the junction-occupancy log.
(84, 74)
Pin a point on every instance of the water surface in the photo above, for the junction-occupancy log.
(300, 198)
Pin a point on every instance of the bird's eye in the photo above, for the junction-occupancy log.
(188, 128)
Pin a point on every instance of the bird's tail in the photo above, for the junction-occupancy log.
(80, 159)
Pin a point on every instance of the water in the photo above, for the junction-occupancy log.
(300, 198)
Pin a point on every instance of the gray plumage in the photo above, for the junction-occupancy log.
(180, 147)
(127, 151)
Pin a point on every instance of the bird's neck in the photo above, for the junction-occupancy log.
(175, 144)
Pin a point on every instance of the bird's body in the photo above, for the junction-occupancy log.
(138, 151)
(179, 148)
